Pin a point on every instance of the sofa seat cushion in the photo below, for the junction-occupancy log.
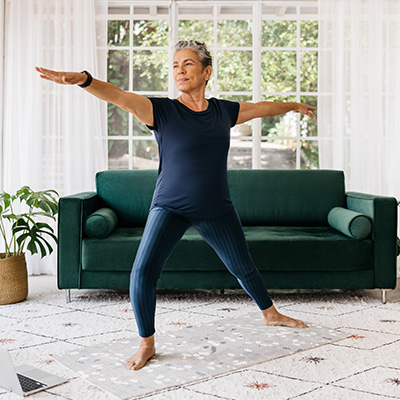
(308, 249)
(272, 248)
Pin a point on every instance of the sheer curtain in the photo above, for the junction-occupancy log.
(54, 135)
(359, 92)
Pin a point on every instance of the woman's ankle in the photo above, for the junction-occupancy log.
(147, 342)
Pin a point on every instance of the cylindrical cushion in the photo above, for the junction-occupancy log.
(350, 223)
(101, 223)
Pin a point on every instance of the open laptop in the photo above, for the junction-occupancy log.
(24, 379)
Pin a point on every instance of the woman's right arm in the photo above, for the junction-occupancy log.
(140, 106)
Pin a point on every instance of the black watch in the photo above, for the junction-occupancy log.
(88, 80)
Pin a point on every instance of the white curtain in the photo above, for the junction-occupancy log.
(359, 92)
(54, 135)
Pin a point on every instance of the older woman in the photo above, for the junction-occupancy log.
(193, 135)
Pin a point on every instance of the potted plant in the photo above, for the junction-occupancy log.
(24, 231)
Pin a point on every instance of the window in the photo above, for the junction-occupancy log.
(261, 51)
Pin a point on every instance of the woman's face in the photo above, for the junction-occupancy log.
(189, 73)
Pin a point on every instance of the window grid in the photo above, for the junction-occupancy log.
(174, 15)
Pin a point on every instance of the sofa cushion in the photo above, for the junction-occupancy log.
(261, 197)
(311, 249)
(308, 249)
(128, 193)
(101, 223)
(286, 197)
(350, 223)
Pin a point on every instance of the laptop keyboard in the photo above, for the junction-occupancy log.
(29, 384)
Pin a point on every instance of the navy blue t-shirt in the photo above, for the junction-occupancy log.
(193, 149)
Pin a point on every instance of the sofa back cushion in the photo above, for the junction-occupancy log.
(261, 197)
(128, 193)
(286, 197)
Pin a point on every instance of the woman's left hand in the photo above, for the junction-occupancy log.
(304, 109)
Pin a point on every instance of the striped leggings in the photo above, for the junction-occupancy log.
(162, 232)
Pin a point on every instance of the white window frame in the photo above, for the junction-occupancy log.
(254, 10)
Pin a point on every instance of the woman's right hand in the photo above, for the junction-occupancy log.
(63, 78)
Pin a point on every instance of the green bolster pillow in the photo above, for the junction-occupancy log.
(101, 223)
(350, 223)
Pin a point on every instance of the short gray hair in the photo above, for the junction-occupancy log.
(199, 47)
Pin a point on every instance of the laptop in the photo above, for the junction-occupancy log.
(25, 379)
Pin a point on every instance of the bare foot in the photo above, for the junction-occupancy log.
(140, 358)
(271, 317)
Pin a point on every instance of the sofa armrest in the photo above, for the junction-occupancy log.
(72, 213)
(383, 212)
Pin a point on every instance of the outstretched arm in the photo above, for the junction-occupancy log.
(250, 111)
(140, 106)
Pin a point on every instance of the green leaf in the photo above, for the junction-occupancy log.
(51, 235)
(42, 248)
(5, 197)
(32, 247)
(11, 217)
(42, 225)
(19, 229)
(48, 246)
(20, 221)
(21, 238)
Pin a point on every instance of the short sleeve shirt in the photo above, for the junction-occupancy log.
(193, 149)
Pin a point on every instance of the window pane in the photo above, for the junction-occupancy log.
(309, 126)
(279, 125)
(235, 33)
(144, 154)
(113, 10)
(210, 85)
(118, 33)
(203, 31)
(309, 33)
(278, 71)
(118, 154)
(118, 121)
(309, 154)
(235, 71)
(150, 70)
(243, 130)
(150, 33)
(240, 154)
(118, 68)
(309, 71)
(279, 34)
(278, 154)
(140, 129)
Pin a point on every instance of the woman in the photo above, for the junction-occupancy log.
(193, 135)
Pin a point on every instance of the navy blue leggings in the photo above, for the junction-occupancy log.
(162, 232)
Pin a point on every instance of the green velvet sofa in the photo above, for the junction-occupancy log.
(285, 219)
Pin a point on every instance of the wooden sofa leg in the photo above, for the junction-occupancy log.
(68, 295)
(383, 295)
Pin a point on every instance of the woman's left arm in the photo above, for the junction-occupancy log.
(250, 111)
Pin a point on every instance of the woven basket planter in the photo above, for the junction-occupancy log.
(13, 279)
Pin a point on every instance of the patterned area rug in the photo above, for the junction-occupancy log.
(192, 353)
(365, 366)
